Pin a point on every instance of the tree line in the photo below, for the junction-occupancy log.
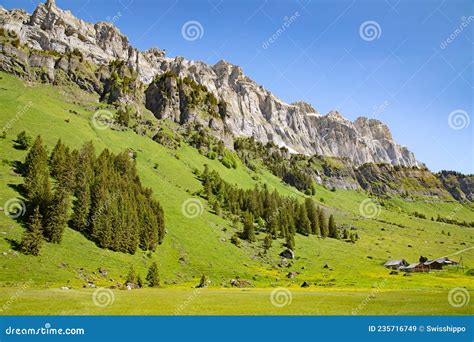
(260, 209)
(109, 204)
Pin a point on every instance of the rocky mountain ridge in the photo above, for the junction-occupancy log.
(248, 109)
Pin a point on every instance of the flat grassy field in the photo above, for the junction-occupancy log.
(234, 302)
(340, 274)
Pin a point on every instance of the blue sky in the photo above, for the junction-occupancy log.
(401, 70)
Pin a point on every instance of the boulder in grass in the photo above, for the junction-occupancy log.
(305, 284)
(292, 275)
(288, 254)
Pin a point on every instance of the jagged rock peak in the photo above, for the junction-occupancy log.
(306, 108)
(248, 108)
(50, 3)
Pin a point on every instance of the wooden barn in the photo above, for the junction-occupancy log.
(437, 264)
(396, 264)
(416, 267)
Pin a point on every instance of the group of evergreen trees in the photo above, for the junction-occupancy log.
(293, 169)
(280, 217)
(134, 280)
(111, 207)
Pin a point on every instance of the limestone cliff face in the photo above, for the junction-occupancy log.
(246, 108)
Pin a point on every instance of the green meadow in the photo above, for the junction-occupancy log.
(344, 278)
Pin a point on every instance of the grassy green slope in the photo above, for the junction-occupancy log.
(196, 246)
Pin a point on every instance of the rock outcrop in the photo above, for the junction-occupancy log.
(246, 108)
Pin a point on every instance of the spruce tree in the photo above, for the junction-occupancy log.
(248, 232)
(322, 223)
(152, 278)
(131, 277)
(36, 172)
(333, 233)
(267, 242)
(312, 216)
(304, 224)
(23, 141)
(33, 237)
(57, 216)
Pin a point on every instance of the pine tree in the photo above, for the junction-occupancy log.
(33, 237)
(23, 141)
(312, 216)
(248, 232)
(304, 224)
(323, 224)
(131, 277)
(345, 234)
(333, 233)
(56, 220)
(63, 166)
(82, 204)
(290, 242)
(140, 282)
(152, 278)
(36, 172)
(267, 242)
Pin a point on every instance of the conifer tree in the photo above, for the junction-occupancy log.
(290, 242)
(322, 223)
(57, 216)
(304, 224)
(248, 232)
(33, 237)
(23, 141)
(131, 277)
(63, 166)
(312, 216)
(267, 242)
(333, 233)
(140, 282)
(152, 278)
(36, 172)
